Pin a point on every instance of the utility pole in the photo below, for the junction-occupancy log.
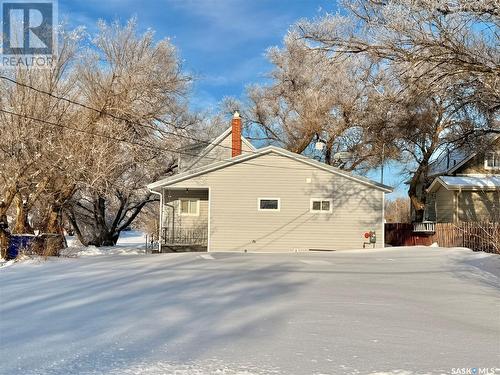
(382, 164)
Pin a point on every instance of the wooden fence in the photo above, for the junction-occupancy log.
(476, 236)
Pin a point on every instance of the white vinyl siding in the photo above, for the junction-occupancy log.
(236, 224)
(479, 206)
(445, 205)
(321, 205)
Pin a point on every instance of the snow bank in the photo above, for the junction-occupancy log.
(488, 264)
(28, 259)
(91, 251)
(129, 243)
(6, 263)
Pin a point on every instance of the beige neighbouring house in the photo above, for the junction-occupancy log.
(233, 197)
(465, 186)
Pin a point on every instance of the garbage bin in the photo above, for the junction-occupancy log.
(17, 243)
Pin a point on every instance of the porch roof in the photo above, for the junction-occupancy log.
(471, 182)
(156, 186)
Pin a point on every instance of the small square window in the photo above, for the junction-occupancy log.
(189, 207)
(321, 205)
(325, 205)
(269, 204)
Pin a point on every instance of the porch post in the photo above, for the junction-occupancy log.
(161, 221)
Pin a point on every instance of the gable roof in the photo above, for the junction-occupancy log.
(454, 159)
(265, 151)
(216, 142)
(448, 161)
(472, 182)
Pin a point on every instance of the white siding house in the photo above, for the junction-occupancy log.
(268, 200)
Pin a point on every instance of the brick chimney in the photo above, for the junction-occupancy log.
(236, 134)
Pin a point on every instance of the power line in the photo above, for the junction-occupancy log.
(123, 140)
(105, 113)
(102, 112)
(120, 118)
(83, 131)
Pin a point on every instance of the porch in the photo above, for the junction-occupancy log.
(181, 239)
(184, 220)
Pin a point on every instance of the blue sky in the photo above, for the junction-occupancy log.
(221, 42)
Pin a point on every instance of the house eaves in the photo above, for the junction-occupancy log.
(469, 182)
(264, 151)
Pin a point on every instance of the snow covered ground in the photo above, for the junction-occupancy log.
(130, 243)
(394, 311)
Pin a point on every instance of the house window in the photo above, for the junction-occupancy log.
(492, 160)
(321, 205)
(190, 207)
(269, 204)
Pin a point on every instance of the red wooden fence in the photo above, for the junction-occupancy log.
(476, 236)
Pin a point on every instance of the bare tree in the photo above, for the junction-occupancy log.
(443, 61)
(397, 211)
(148, 221)
(84, 138)
(140, 90)
(311, 96)
(32, 152)
(448, 43)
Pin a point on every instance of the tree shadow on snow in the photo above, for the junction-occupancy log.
(119, 312)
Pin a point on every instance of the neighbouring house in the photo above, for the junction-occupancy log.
(465, 187)
(230, 196)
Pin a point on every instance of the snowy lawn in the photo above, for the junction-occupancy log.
(130, 243)
(398, 311)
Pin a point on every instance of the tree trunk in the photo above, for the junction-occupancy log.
(301, 144)
(76, 227)
(4, 243)
(329, 148)
(22, 225)
(100, 234)
(53, 220)
(4, 223)
(97, 225)
(328, 156)
(102, 238)
(109, 238)
(55, 241)
(418, 203)
(4, 233)
(418, 199)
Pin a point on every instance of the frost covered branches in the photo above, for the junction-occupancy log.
(406, 78)
(83, 137)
